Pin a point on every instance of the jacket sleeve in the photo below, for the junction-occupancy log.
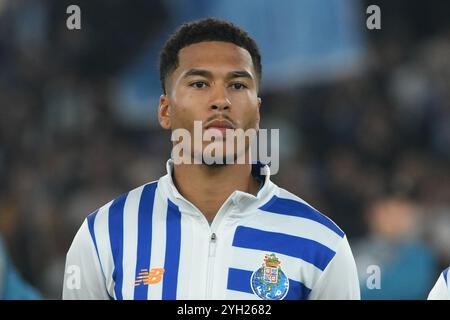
(440, 290)
(339, 280)
(83, 276)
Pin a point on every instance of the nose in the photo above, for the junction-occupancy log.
(220, 100)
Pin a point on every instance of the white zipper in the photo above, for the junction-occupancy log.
(211, 258)
(212, 251)
(212, 245)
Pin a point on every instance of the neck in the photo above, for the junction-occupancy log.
(207, 187)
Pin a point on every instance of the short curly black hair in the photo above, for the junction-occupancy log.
(209, 29)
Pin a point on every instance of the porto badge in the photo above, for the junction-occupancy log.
(269, 282)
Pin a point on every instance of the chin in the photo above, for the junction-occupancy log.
(212, 161)
(215, 165)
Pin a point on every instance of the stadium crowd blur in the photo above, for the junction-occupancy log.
(371, 150)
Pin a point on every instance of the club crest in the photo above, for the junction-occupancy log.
(269, 282)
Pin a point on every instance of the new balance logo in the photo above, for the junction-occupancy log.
(146, 277)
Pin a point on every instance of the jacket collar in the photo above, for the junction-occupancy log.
(244, 202)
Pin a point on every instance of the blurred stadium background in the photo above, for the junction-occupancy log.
(364, 120)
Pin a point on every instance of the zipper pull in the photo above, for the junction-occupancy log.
(212, 245)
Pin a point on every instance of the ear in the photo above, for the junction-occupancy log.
(164, 112)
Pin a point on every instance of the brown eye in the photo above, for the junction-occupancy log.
(199, 84)
(238, 86)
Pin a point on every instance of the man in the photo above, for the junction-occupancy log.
(210, 231)
(12, 285)
(441, 290)
(393, 245)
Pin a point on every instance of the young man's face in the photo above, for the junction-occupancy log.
(215, 83)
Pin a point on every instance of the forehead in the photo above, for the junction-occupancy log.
(214, 55)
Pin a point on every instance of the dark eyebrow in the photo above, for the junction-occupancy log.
(208, 74)
(198, 72)
(240, 74)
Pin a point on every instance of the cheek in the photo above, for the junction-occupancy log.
(247, 111)
(180, 117)
(185, 110)
(187, 101)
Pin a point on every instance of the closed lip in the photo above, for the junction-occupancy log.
(219, 123)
